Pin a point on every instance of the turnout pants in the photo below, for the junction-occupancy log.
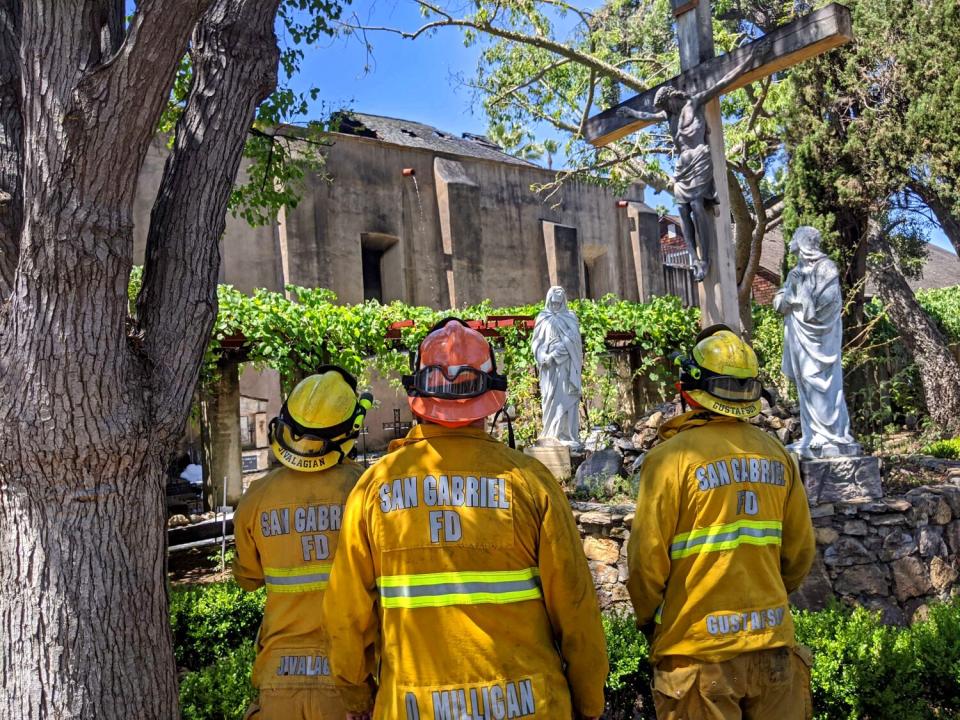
(297, 704)
(761, 685)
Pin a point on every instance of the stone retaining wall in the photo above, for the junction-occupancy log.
(896, 554)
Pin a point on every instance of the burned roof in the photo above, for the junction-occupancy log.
(407, 133)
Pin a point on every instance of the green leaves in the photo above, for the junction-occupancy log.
(296, 335)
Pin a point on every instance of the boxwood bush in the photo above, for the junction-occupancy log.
(862, 668)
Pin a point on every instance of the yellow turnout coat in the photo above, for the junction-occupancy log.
(287, 527)
(721, 534)
(460, 561)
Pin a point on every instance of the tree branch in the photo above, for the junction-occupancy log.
(234, 54)
(544, 43)
(742, 224)
(11, 145)
(939, 369)
(948, 220)
(756, 238)
(123, 97)
(588, 104)
(504, 94)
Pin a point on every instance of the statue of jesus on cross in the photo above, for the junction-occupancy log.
(690, 104)
(693, 185)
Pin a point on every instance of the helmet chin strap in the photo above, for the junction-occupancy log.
(510, 438)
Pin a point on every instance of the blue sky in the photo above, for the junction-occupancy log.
(411, 79)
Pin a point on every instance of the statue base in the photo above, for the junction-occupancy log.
(829, 450)
(556, 457)
(841, 479)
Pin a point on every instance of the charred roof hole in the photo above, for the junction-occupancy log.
(481, 140)
(405, 131)
(440, 134)
(348, 125)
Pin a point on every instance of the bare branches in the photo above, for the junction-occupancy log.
(235, 58)
(11, 144)
(445, 19)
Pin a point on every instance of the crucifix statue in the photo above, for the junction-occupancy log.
(690, 103)
(693, 180)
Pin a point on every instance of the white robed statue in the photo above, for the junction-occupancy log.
(558, 350)
(810, 301)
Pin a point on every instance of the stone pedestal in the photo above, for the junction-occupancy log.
(555, 457)
(841, 479)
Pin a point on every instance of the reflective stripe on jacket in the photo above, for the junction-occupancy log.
(287, 527)
(721, 534)
(461, 562)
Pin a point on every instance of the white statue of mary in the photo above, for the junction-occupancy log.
(810, 301)
(558, 350)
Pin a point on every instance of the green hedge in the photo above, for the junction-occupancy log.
(862, 668)
(209, 621)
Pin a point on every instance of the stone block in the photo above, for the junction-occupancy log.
(848, 551)
(597, 517)
(816, 592)
(890, 519)
(943, 514)
(898, 544)
(842, 479)
(555, 457)
(897, 504)
(855, 527)
(601, 464)
(942, 574)
(862, 580)
(931, 542)
(820, 511)
(890, 613)
(911, 578)
(603, 574)
(953, 536)
(602, 550)
(826, 535)
(619, 533)
(950, 493)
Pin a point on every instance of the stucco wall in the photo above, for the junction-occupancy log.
(369, 194)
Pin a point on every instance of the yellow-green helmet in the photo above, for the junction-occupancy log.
(722, 374)
(320, 420)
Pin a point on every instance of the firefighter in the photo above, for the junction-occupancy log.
(461, 564)
(287, 526)
(721, 535)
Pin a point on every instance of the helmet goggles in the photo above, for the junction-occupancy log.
(724, 387)
(454, 382)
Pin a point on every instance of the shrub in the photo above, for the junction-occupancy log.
(947, 449)
(862, 668)
(208, 621)
(628, 684)
(936, 650)
(221, 691)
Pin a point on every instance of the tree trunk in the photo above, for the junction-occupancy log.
(939, 369)
(87, 417)
(949, 221)
(11, 150)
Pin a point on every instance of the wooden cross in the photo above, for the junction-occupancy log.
(786, 46)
